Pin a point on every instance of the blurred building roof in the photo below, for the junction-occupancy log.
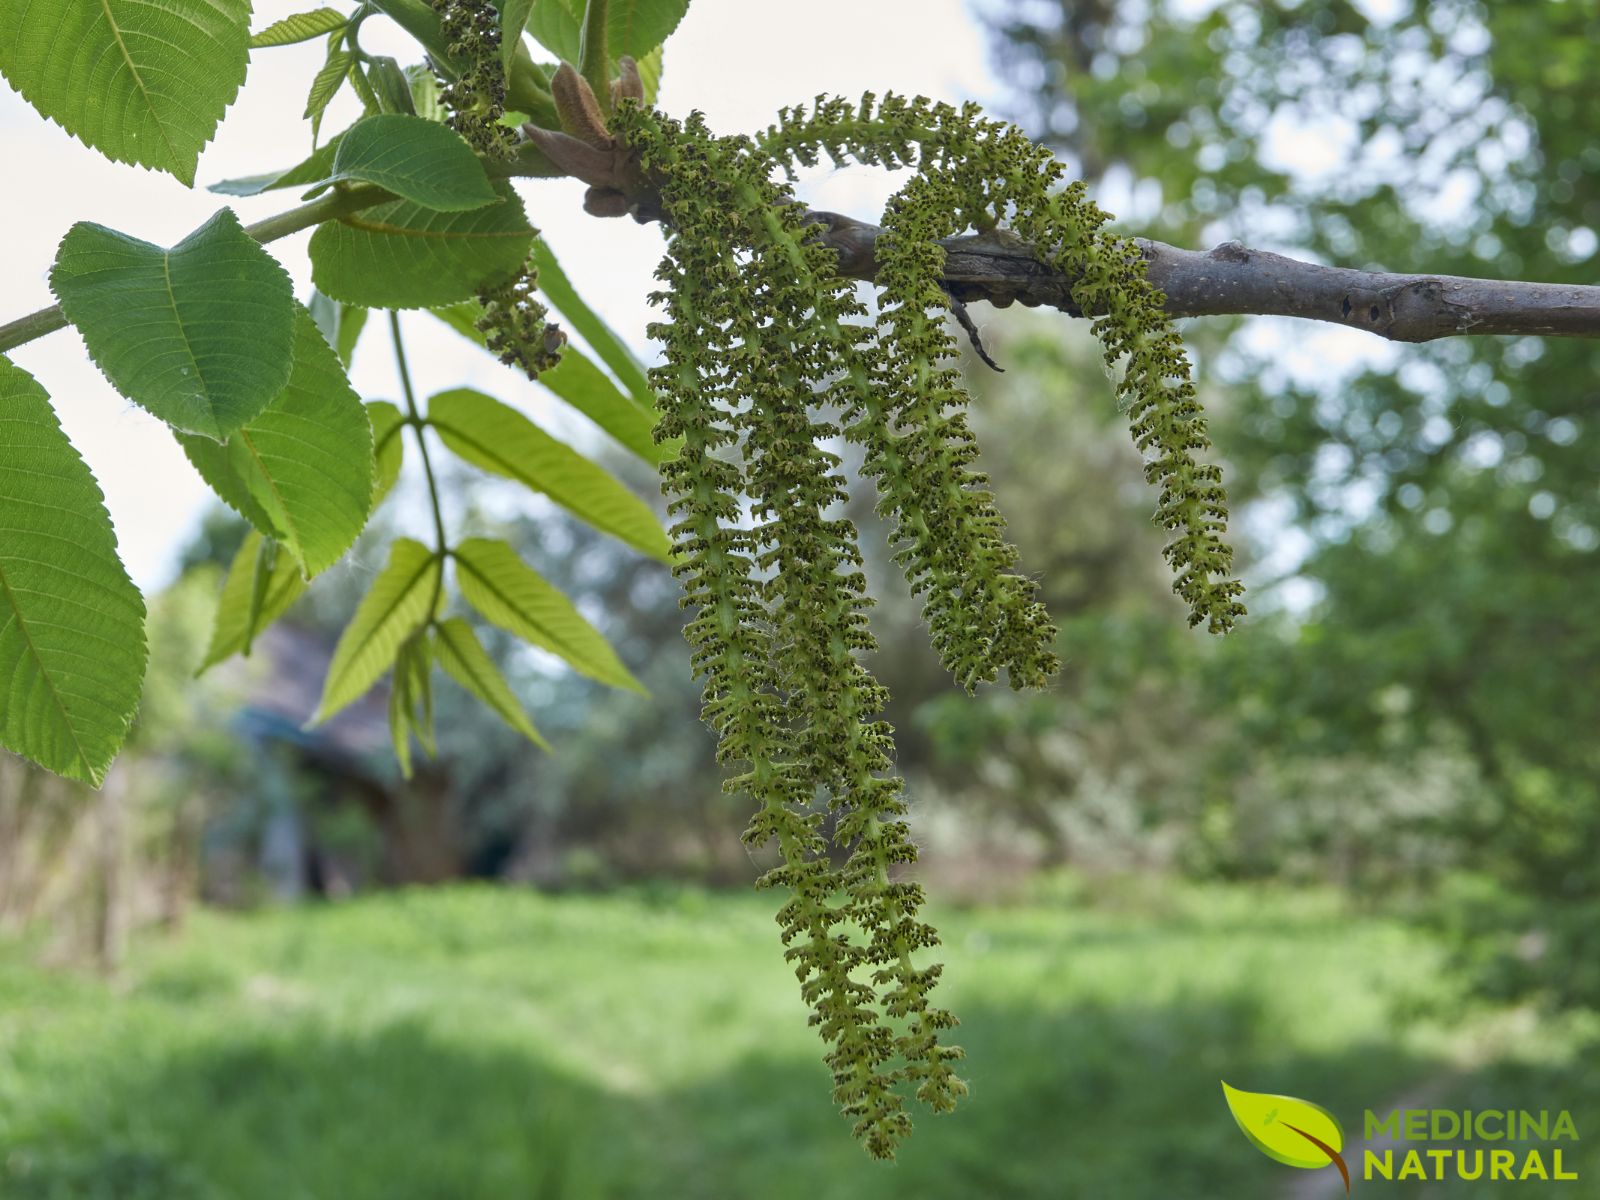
(281, 684)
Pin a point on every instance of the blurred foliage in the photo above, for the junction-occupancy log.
(1443, 496)
(92, 865)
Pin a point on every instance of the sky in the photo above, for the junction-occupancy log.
(729, 59)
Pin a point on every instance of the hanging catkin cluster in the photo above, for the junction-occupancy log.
(476, 96)
(764, 341)
(759, 322)
(513, 322)
(973, 172)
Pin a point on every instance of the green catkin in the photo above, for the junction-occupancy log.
(513, 322)
(475, 98)
(762, 339)
(759, 319)
(981, 615)
(991, 173)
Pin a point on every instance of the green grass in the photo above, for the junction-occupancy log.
(473, 1042)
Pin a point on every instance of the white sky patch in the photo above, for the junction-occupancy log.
(737, 61)
(1312, 149)
(1310, 354)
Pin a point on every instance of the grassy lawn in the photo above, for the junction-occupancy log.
(472, 1042)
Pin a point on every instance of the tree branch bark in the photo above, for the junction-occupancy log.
(1229, 280)
(1235, 280)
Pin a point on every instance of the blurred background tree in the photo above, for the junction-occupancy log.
(1430, 518)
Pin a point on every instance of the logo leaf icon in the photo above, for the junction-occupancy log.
(1295, 1132)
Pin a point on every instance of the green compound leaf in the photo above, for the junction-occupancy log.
(259, 589)
(497, 438)
(1287, 1129)
(402, 255)
(199, 334)
(325, 84)
(391, 85)
(340, 324)
(650, 66)
(352, 320)
(414, 158)
(564, 298)
(388, 446)
(508, 593)
(360, 79)
(417, 662)
(411, 700)
(584, 386)
(72, 650)
(580, 383)
(425, 100)
(461, 654)
(637, 27)
(513, 20)
(633, 27)
(397, 605)
(301, 472)
(555, 27)
(301, 27)
(140, 82)
(326, 314)
(318, 166)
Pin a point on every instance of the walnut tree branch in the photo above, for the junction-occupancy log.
(1233, 279)
(1228, 280)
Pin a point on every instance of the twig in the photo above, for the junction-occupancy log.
(964, 319)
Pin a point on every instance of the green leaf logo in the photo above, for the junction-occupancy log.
(1292, 1131)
